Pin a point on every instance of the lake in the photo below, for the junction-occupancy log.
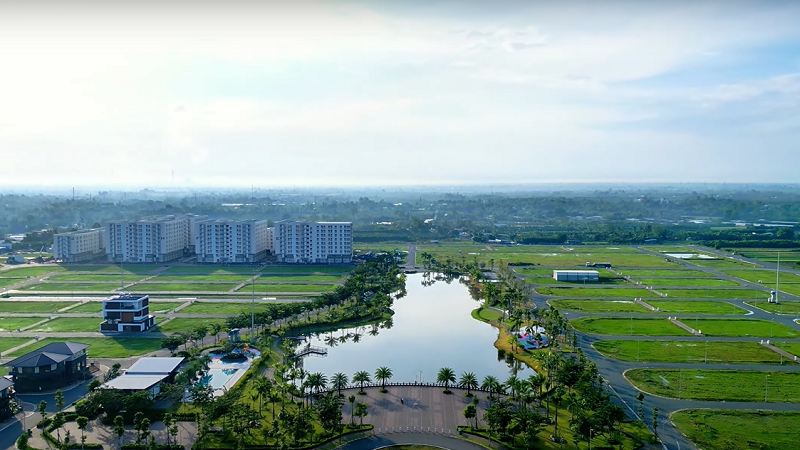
(431, 328)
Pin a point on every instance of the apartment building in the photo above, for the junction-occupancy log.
(313, 242)
(79, 246)
(149, 240)
(231, 241)
(127, 312)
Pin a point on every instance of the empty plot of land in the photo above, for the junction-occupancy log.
(209, 270)
(547, 256)
(548, 273)
(686, 282)
(184, 325)
(791, 347)
(741, 328)
(713, 429)
(599, 306)
(715, 293)
(69, 324)
(784, 307)
(143, 269)
(767, 277)
(32, 307)
(719, 263)
(632, 292)
(688, 352)
(665, 273)
(71, 287)
(259, 287)
(9, 281)
(718, 385)
(12, 323)
(215, 277)
(31, 271)
(771, 255)
(313, 270)
(620, 326)
(224, 307)
(103, 277)
(181, 287)
(696, 307)
(11, 342)
(303, 278)
(102, 347)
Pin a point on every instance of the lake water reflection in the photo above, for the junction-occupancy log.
(431, 328)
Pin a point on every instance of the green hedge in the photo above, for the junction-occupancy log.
(158, 446)
(361, 429)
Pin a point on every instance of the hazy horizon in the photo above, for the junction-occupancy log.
(381, 93)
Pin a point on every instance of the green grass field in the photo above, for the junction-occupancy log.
(788, 308)
(184, 324)
(70, 324)
(103, 347)
(550, 256)
(548, 273)
(599, 306)
(12, 323)
(620, 326)
(713, 429)
(32, 307)
(719, 263)
(714, 293)
(143, 269)
(767, 277)
(11, 342)
(595, 292)
(31, 271)
(686, 282)
(222, 307)
(718, 385)
(181, 287)
(791, 347)
(235, 279)
(695, 307)
(9, 281)
(741, 328)
(71, 287)
(688, 352)
(688, 273)
(102, 278)
(289, 288)
(311, 270)
(770, 254)
(302, 278)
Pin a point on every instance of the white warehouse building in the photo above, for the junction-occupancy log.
(79, 246)
(313, 242)
(231, 241)
(592, 276)
(158, 239)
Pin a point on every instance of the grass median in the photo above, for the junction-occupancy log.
(710, 282)
(718, 385)
(715, 293)
(588, 292)
(784, 307)
(599, 306)
(741, 328)
(665, 273)
(688, 352)
(12, 323)
(620, 326)
(695, 307)
(713, 429)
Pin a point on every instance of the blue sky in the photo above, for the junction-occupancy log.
(388, 93)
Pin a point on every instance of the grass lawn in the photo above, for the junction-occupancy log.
(9, 281)
(182, 287)
(548, 273)
(791, 347)
(719, 263)
(32, 307)
(209, 270)
(696, 307)
(595, 292)
(712, 429)
(290, 288)
(688, 352)
(146, 269)
(103, 347)
(304, 278)
(217, 277)
(11, 342)
(599, 306)
(784, 307)
(793, 289)
(486, 314)
(311, 270)
(103, 278)
(664, 273)
(621, 326)
(718, 385)
(70, 324)
(741, 328)
(223, 307)
(12, 323)
(686, 282)
(763, 275)
(31, 271)
(184, 324)
(714, 293)
(71, 287)
(550, 256)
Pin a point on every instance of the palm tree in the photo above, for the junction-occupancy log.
(511, 383)
(352, 400)
(339, 382)
(361, 377)
(263, 387)
(383, 373)
(489, 383)
(215, 328)
(446, 376)
(468, 381)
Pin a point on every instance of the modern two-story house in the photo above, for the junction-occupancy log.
(127, 312)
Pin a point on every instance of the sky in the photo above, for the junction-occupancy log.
(372, 93)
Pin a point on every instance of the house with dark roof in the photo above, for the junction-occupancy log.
(6, 396)
(50, 367)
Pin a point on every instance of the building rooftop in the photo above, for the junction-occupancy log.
(5, 383)
(126, 297)
(594, 272)
(133, 382)
(49, 354)
(73, 233)
(154, 366)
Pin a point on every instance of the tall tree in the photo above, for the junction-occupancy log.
(339, 382)
(362, 409)
(468, 381)
(361, 377)
(383, 373)
(446, 376)
(119, 429)
(352, 400)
